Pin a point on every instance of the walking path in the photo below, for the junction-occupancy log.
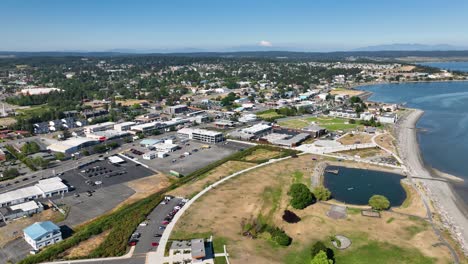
(126, 256)
(158, 256)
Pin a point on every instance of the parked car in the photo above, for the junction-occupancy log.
(162, 227)
(132, 242)
(144, 223)
(157, 235)
(154, 244)
(165, 222)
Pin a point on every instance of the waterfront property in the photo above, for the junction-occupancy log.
(356, 186)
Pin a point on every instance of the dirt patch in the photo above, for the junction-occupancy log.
(86, 247)
(357, 138)
(214, 175)
(413, 203)
(365, 153)
(245, 197)
(7, 121)
(347, 92)
(261, 154)
(144, 187)
(130, 102)
(386, 141)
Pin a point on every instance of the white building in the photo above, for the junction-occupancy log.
(125, 126)
(343, 113)
(154, 154)
(42, 234)
(99, 127)
(72, 145)
(144, 127)
(201, 135)
(258, 129)
(165, 147)
(44, 188)
(389, 118)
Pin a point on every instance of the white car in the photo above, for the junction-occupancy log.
(177, 208)
(144, 223)
(98, 182)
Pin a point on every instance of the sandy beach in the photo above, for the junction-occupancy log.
(452, 210)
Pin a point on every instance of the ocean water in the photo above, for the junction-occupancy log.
(443, 129)
(356, 186)
(451, 65)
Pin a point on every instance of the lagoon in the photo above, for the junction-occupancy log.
(356, 186)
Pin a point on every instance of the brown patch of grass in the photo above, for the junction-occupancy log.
(144, 187)
(357, 138)
(261, 154)
(222, 210)
(86, 247)
(365, 153)
(214, 175)
(386, 141)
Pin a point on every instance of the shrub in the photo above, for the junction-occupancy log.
(320, 246)
(321, 193)
(279, 236)
(379, 202)
(301, 196)
(321, 258)
(291, 217)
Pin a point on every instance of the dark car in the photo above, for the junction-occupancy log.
(157, 235)
(132, 242)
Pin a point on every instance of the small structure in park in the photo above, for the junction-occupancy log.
(341, 242)
(370, 213)
(337, 212)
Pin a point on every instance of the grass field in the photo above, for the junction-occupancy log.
(261, 154)
(264, 192)
(269, 115)
(330, 123)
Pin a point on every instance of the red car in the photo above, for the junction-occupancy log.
(154, 244)
(165, 222)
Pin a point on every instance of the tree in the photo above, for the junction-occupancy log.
(318, 247)
(30, 148)
(291, 217)
(301, 196)
(10, 173)
(379, 202)
(59, 156)
(321, 193)
(321, 258)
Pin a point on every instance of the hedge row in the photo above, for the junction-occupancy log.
(21, 157)
(125, 220)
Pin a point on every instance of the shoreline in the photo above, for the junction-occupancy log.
(453, 212)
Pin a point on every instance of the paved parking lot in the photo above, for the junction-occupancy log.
(102, 174)
(14, 251)
(199, 156)
(155, 219)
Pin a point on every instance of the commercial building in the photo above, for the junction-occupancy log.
(143, 128)
(177, 109)
(43, 189)
(42, 234)
(346, 113)
(165, 147)
(108, 134)
(20, 210)
(125, 126)
(149, 142)
(258, 129)
(154, 154)
(99, 127)
(201, 135)
(72, 145)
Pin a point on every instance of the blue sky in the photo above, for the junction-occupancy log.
(43, 25)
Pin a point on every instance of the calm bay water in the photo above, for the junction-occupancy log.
(356, 186)
(443, 137)
(451, 65)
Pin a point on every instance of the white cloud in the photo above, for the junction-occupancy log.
(265, 43)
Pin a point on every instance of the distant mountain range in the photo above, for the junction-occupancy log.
(410, 47)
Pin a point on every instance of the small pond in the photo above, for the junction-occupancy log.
(356, 186)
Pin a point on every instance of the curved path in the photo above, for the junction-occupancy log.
(158, 256)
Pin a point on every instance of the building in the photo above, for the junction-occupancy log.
(125, 126)
(198, 249)
(143, 128)
(316, 130)
(154, 154)
(72, 145)
(38, 91)
(388, 118)
(258, 129)
(195, 250)
(149, 142)
(177, 109)
(99, 127)
(165, 147)
(201, 135)
(42, 234)
(20, 210)
(108, 135)
(346, 113)
(43, 189)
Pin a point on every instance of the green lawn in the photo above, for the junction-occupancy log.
(331, 124)
(363, 251)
